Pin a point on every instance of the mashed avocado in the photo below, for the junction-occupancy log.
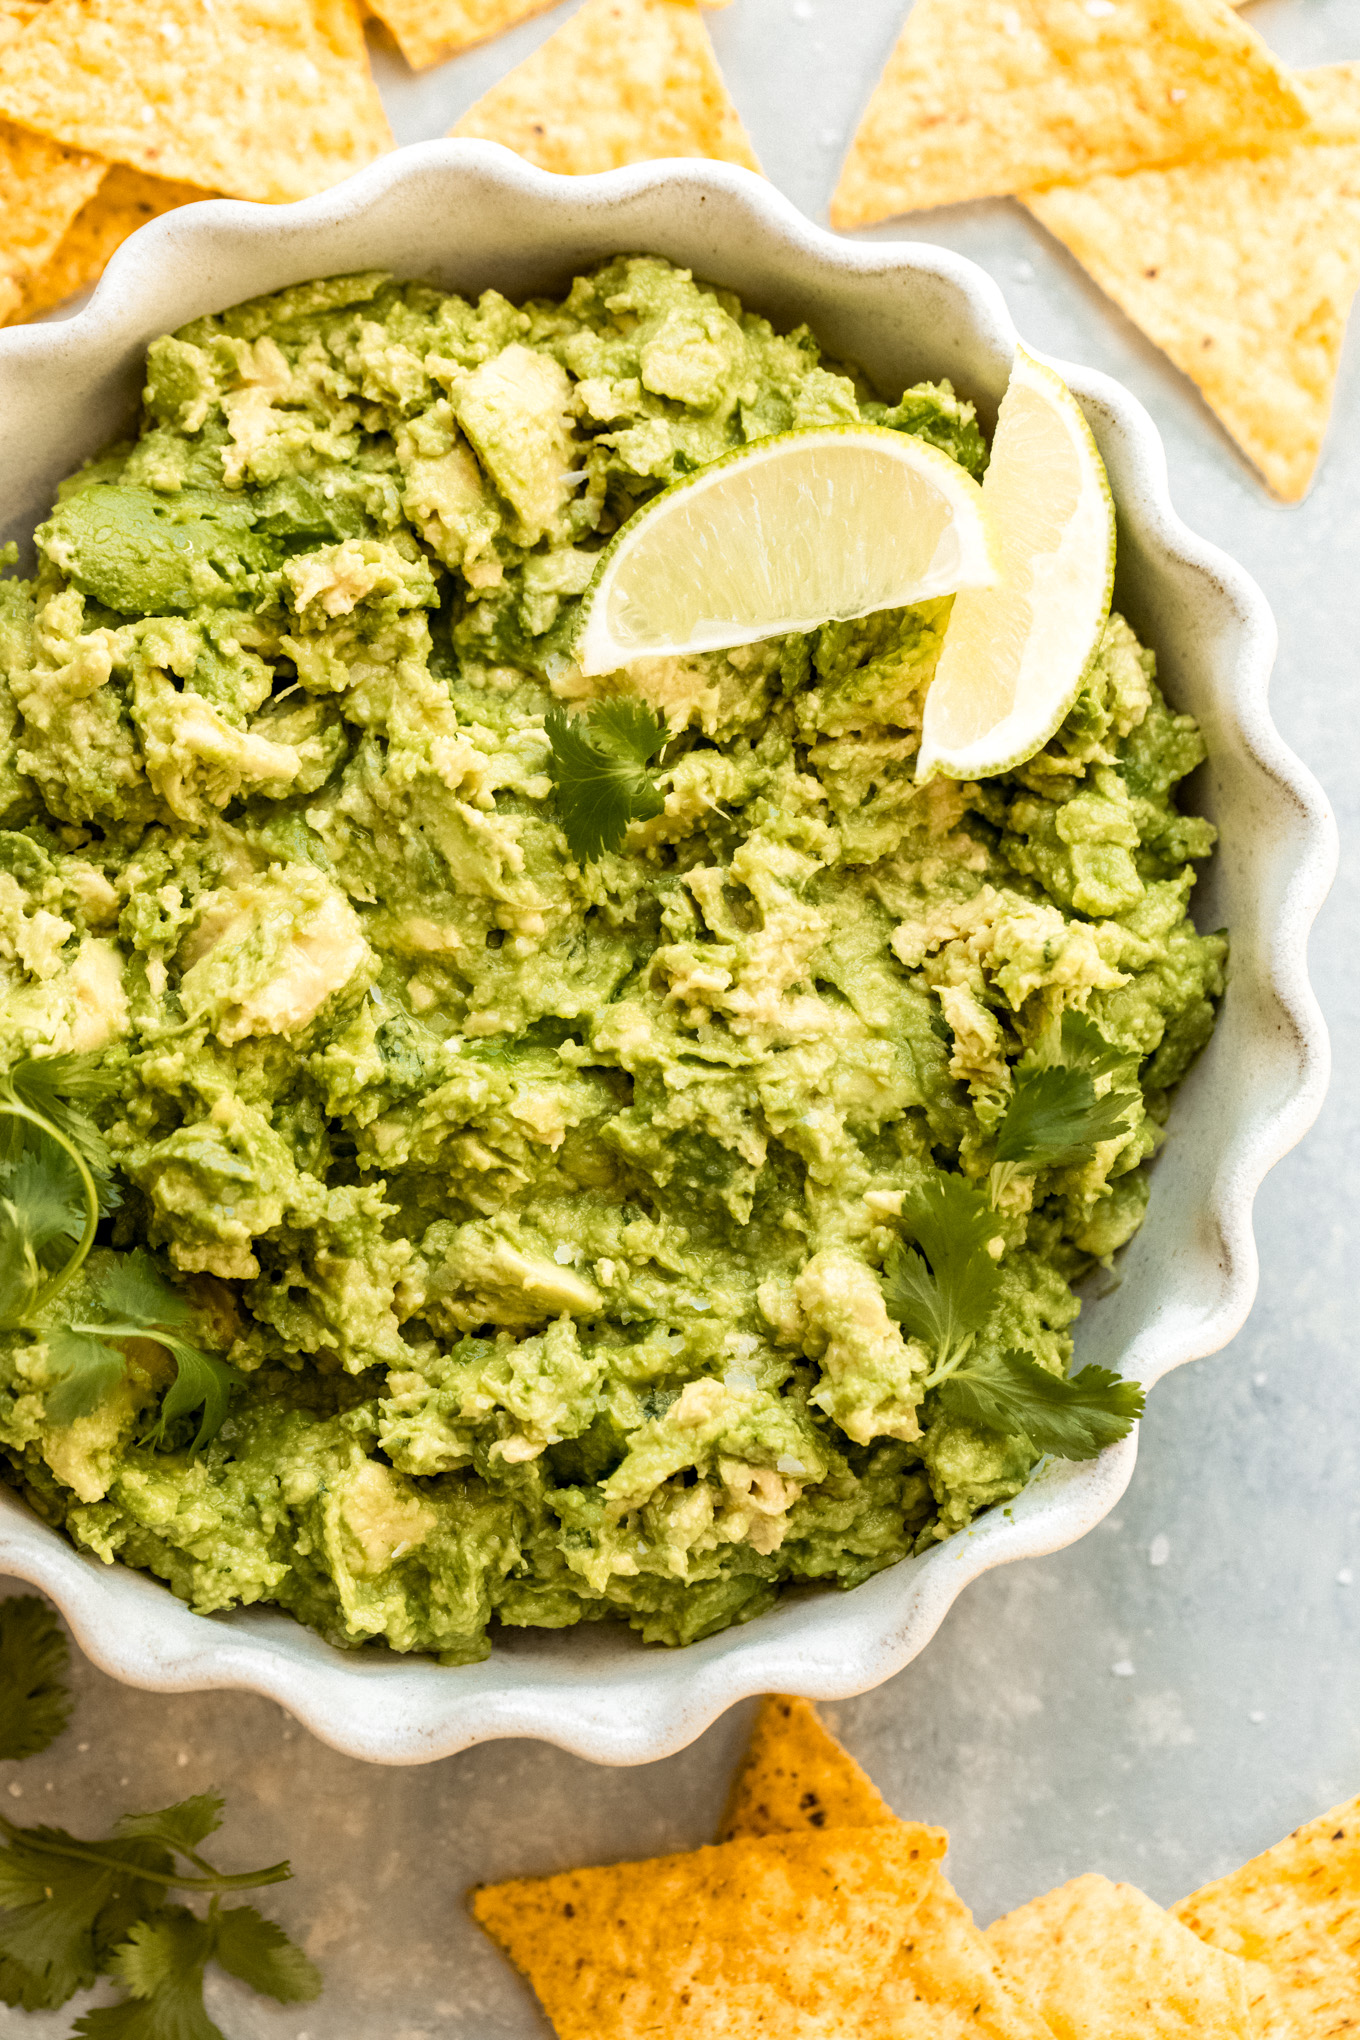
(541, 1207)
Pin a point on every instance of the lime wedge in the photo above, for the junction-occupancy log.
(1014, 653)
(780, 536)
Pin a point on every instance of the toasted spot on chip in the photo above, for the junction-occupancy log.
(943, 1977)
(783, 1934)
(1293, 1915)
(1102, 1962)
(980, 99)
(125, 200)
(795, 1774)
(624, 81)
(1242, 269)
(255, 99)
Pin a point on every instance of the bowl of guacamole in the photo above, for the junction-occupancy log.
(429, 1250)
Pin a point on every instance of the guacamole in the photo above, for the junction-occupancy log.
(540, 1207)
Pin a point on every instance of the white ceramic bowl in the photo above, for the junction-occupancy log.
(469, 215)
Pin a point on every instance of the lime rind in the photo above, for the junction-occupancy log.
(1064, 629)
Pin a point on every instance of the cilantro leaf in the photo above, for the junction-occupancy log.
(180, 1827)
(59, 1900)
(202, 1382)
(59, 1088)
(259, 1952)
(35, 1701)
(133, 1287)
(162, 1964)
(1082, 1046)
(1072, 1418)
(89, 1365)
(1055, 1119)
(86, 1368)
(58, 1172)
(599, 767)
(946, 1303)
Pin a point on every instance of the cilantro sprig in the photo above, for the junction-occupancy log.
(1056, 1118)
(945, 1288)
(1072, 1417)
(142, 1306)
(72, 1910)
(944, 1299)
(599, 768)
(56, 1182)
(56, 1176)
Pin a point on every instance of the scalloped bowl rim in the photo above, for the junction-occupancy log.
(592, 1690)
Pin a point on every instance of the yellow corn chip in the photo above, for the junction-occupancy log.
(786, 1935)
(427, 31)
(1293, 1915)
(124, 201)
(1242, 269)
(985, 97)
(253, 97)
(795, 1774)
(943, 1983)
(42, 188)
(15, 16)
(1102, 1962)
(624, 81)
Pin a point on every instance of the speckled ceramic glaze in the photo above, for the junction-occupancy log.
(469, 215)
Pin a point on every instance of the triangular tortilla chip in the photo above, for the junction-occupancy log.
(241, 96)
(985, 97)
(624, 81)
(1102, 1962)
(1293, 1915)
(427, 31)
(42, 188)
(944, 1980)
(124, 201)
(787, 1935)
(795, 1774)
(1243, 270)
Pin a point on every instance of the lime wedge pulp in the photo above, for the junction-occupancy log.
(1014, 652)
(782, 535)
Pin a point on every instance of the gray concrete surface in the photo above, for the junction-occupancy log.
(1158, 1702)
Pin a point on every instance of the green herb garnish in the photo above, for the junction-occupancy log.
(599, 767)
(1055, 1118)
(1072, 1418)
(54, 1178)
(73, 1910)
(142, 1306)
(946, 1303)
(35, 1703)
(946, 1298)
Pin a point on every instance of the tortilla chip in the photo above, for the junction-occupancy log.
(124, 201)
(1293, 1915)
(1102, 1962)
(786, 1934)
(42, 188)
(242, 96)
(985, 97)
(795, 1774)
(624, 81)
(427, 31)
(15, 16)
(943, 1980)
(1242, 270)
